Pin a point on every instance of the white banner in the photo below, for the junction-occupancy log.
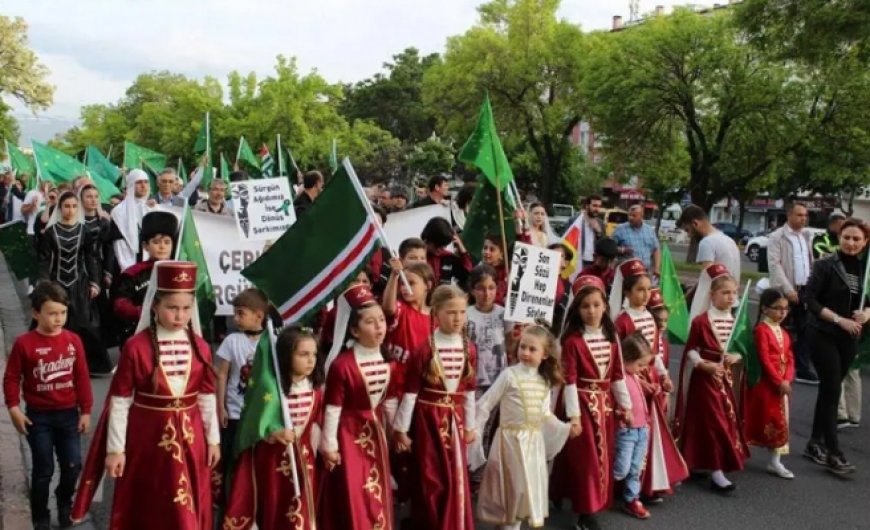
(263, 208)
(533, 282)
(226, 254)
(409, 223)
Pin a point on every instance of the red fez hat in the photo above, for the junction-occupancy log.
(359, 296)
(655, 299)
(717, 270)
(176, 276)
(585, 281)
(632, 267)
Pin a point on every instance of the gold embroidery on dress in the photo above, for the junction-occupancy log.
(187, 429)
(444, 431)
(306, 457)
(366, 440)
(169, 441)
(294, 514)
(182, 494)
(595, 407)
(381, 523)
(285, 467)
(232, 523)
(373, 483)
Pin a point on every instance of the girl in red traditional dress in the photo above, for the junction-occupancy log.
(592, 364)
(766, 404)
(664, 465)
(263, 489)
(438, 411)
(159, 433)
(707, 421)
(359, 398)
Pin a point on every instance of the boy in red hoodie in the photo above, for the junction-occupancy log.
(48, 365)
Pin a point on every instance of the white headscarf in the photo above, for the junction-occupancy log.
(145, 317)
(128, 215)
(55, 216)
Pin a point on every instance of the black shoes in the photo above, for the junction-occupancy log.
(587, 522)
(723, 490)
(808, 378)
(838, 465)
(63, 516)
(816, 453)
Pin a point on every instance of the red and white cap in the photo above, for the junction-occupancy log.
(354, 298)
(176, 276)
(626, 269)
(656, 300)
(588, 281)
(701, 300)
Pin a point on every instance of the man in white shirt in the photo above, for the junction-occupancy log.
(592, 229)
(790, 260)
(714, 247)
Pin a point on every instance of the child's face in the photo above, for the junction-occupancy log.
(371, 328)
(174, 310)
(639, 364)
(419, 289)
(484, 293)
(563, 261)
(51, 317)
(362, 279)
(492, 254)
(452, 316)
(304, 357)
(414, 255)
(723, 298)
(639, 294)
(777, 311)
(592, 308)
(247, 319)
(159, 247)
(532, 350)
(663, 316)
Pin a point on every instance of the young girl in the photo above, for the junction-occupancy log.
(493, 255)
(326, 317)
(486, 326)
(409, 316)
(263, 492)
(766, 404)
(158, 435)
(515, 479)
(636, 285)
(660, 313)
(446, 266)
(540, 232)
(357, 494)
(592, 365)
(707, 422)
(437, 411)
(632, 437)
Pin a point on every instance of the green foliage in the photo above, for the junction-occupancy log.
(21, 75)
(431, 157)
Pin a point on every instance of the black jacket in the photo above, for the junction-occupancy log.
(827, 288)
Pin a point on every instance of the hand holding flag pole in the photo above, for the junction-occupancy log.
(285, 409)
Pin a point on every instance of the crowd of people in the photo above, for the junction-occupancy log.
(411, 401)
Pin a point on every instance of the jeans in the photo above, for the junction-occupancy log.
(631, 446)
(832, 357)
(53, 431)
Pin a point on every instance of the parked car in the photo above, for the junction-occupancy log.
(760, 241)
(731, 230)
(613, 217)
(563, 214)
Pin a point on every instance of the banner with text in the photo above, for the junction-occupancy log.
(264, 208)
(533, 282)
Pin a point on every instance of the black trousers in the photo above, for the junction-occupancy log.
(832, 356)
(796, 324)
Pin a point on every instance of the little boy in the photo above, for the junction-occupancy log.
(48, 365)
(411, 250)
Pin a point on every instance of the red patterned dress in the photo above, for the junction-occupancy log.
(765, 408)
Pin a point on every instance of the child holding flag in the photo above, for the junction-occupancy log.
(266, 490)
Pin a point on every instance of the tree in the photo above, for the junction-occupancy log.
(22, 76)
(815, 31)
(530, 62)
(394, 101)
(431, 157)
(691, 73)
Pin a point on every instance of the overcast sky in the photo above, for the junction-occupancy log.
(96, 48)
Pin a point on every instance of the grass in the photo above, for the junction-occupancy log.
(696, 268)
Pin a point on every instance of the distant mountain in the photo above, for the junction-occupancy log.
(41, 128)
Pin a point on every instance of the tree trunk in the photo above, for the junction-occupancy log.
(548, 182)
(741, 203)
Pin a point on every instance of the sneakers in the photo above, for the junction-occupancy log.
(838, 465)
(816, 453)
(587, 522)
(808, 378)
(780, 471)
(847, 424)
(652, 499)
(636, 509)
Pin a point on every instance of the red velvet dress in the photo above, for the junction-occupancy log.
(263, 491)
(765, 409)
(357, 494)
(166, 480)
(664, 465)
(440, 494)
(707, 422)
(583, 470)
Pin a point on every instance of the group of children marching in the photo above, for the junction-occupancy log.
(420, 393)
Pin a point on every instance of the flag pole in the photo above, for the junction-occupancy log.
(280, 158)
(39, 176)
(285, 408)
(109, 154)
(178, 245)
(743, 299)
(354, 179)
(207, 142)
(239, 152)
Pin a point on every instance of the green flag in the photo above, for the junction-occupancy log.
(18, 250)
(202, 139)
(742, 341)
(202, 148)
(225, 170)
(483, 149)
(246, 155)
(103, 173)
(262, 413)
(55, 165)
(136, 156)
(182, 173)
(675, 300)
(190, 249)
(22, 164)
(321, 271)
(483, 219)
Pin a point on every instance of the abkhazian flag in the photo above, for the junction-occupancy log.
(190, 249)
(675, 299)
(267, 165)
(742, 340)
(320, 271)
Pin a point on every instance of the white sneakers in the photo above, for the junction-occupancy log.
(779, 470)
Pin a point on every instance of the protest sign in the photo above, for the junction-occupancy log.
(533, 282)
(263, 208)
